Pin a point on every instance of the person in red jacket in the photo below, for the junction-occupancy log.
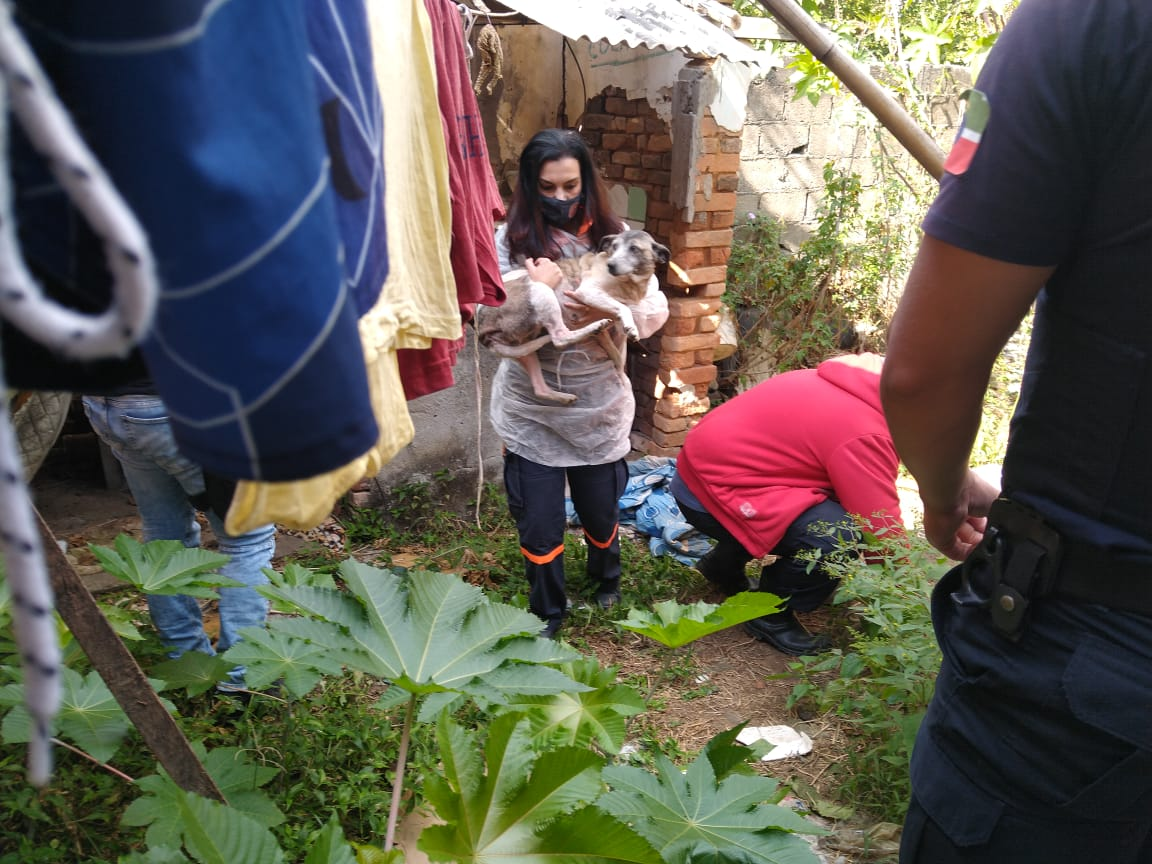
(794, 466)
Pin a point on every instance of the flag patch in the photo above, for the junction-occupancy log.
(968, 141)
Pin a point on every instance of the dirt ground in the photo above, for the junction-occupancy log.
(738, 679)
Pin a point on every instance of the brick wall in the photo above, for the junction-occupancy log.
(671, 371)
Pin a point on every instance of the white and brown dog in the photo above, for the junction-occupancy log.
(531, 316)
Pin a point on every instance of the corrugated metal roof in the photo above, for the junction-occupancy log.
(657, 24)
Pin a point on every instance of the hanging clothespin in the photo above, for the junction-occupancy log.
(468, 17)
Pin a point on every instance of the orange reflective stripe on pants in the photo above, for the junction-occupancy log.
(606, 543)
(546, 558)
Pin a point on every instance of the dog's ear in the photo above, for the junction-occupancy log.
(663, 253)
(606, 243)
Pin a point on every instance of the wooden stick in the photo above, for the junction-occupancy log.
(121, 672)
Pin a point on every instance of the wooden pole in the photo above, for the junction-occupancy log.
(873, 96)
(121, 673)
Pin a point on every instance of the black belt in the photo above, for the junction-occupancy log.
(1026, 559)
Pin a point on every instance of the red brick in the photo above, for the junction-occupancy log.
(709, 128)
(636, 124)
(618, 106)
(690, 375)
(625, 157)
(660, 144)
(679, 326)
(613, 172)
(727, 183)
(718, 201)
(709, 145)
(616, 141)
(694, 342)
(655, 124)
(593, 139)
(726, 163)
(651, 160)
(596, 122)
(730, 145)
(703, 357)
(713, 289)
(697, 239)
(700, 276)
(691, 307)
(721, 219)
(677, 360)
(636, 175)
(659, 209)
(669, 424)
(668, 439)
(719, 254)
(705, 323)
(689, 259)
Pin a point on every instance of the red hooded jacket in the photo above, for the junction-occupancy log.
(760, 460)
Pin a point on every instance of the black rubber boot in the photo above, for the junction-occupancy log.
(783, 632)
(724, 571)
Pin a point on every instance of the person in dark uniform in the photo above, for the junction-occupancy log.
(560, 210)
(1037, 746)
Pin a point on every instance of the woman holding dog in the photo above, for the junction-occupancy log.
(560, 210)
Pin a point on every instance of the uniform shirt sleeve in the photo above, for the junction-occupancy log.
(1026, 190)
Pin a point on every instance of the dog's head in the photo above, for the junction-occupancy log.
(633, 254)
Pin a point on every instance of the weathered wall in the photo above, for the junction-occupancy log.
(786, 143)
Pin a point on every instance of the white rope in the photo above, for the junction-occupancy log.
(27, 91)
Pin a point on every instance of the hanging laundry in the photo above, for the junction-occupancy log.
(476, 203)
(353, 123)
(205, 116)
(388, 49)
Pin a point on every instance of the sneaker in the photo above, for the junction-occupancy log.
(783, 632)
(608, 599)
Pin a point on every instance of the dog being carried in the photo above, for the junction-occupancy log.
(532, 316)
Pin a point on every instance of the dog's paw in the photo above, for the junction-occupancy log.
(631, 332)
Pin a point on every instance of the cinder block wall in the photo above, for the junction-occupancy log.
(786, 143)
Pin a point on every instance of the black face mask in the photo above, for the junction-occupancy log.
(557, 212)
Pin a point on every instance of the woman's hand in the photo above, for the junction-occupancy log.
(544, 270)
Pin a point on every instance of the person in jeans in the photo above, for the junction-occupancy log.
(168, 489)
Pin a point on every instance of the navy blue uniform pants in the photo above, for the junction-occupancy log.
(791, 575)
(536, 500)
(1036, 750)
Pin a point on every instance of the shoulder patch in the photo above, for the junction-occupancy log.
(968, 141)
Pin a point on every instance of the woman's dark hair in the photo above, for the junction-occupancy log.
(527, 234)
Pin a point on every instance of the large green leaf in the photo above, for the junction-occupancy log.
(89, 716)
(692, 816)
(274, 656)
(155, 855)
(424, 632)
(580, 718)
(502, 803)
(674, 624)
(195, 671)
(164, 566)
(330, 847)
(162, 807)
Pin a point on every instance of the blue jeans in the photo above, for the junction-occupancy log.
(162, 480)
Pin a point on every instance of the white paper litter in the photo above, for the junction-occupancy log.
(788, 742)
